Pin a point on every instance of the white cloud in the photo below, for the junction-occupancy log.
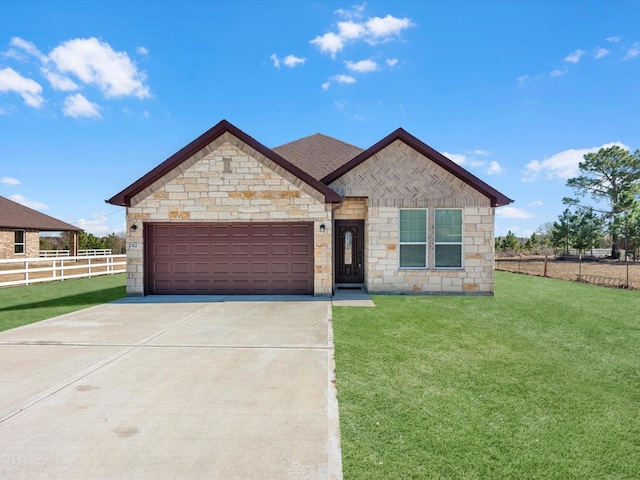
(96, 63)
(613, 39)
(9, 181)
(28, 47)
(513, 212)
(142, 51)
(633, 51)
(536, 203)
(483, 153)
(59, 82)
(363, 66)
(458, 158)
(28, 89)
(391, 62)
(77, 106)
(575, 56)
(373, 31)
(329, 43)
(22, 200)
(524, 79)
(351, 30)
(558, 73)
(389, 26)
(355, 12)
(601, 53)
(562, 165)
(292, 61)
(98, 226)
(341, 78)
(494, 168)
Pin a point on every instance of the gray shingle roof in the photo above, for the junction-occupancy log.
(14, 215)
(318, 154)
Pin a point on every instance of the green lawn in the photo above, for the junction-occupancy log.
(31, 303)
(541, 381)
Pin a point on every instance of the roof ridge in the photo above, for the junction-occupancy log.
(318, 134)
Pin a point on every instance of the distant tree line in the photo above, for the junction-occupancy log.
(610, 177)
(86, 241)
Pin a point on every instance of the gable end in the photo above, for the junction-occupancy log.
(497, 199)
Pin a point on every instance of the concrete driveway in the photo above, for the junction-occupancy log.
(172, 387)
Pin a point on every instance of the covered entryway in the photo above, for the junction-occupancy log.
(349, 251)
(229, 258)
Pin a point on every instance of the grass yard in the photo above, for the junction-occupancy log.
(32, 303)
(541, 381)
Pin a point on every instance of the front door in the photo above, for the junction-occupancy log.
(349, 251)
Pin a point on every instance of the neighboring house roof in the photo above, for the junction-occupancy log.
(16, 216)
(124, 197)
(318, 154)
(497, 198)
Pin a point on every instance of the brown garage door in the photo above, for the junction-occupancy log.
(230, 258)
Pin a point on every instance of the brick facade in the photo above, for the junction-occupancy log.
(228, 181)
(7, 244)
(400, 177)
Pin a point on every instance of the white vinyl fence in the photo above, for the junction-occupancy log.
(81, 253)
(35, 270)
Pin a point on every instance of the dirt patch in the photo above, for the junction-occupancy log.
(612, 273)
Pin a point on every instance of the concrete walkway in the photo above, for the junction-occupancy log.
(172, 387)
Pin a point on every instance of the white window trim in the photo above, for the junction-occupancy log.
(425, 243)
(461, 242)
(24, 242)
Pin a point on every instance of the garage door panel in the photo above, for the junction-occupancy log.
(279, 249)
(162, 249)
(201, 249)
(279, 267)
(299, 231)
(260, 231)
(250, 258)
(300, 268)
(181, 249)
(220, 267)
(162, 267)
(181, 267)
(299, 249)
(260, 267)
(281, 231)
(201, 267)
(221, 249)
(240, 267)
(182, 231)
(260, 249)
(241, 249)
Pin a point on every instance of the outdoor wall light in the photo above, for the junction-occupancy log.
(134, 227)
(322, 227)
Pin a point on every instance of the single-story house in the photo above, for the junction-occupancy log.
(20, 229)
(228, 215)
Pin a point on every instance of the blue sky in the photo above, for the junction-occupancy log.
(95, 94)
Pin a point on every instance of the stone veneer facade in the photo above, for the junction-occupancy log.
(399, 177)
(7, 244)
(228, 181)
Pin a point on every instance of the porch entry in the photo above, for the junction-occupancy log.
(349, 251)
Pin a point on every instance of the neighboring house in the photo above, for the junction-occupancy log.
(228, 215)
(20, 229)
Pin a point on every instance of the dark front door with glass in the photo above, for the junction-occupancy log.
(349, 251)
